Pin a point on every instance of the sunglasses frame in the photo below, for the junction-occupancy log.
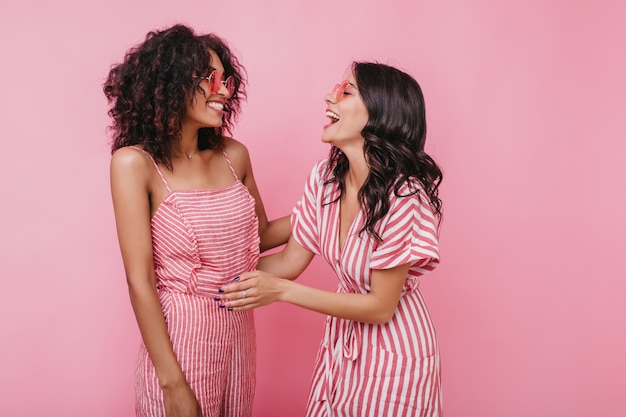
(339, 89)
(216, 82)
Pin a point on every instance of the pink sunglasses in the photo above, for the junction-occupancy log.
(216, 83)
(340, 89)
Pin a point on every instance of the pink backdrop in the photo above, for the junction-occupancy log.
(526, 115)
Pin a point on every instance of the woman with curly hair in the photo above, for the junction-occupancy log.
(372, 211)
(188, 216)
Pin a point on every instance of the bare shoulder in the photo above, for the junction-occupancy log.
(239, 157)
(130, 162)
(235, 150)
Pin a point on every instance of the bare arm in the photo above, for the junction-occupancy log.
(288, 263)
(276, 232)
(272, 233)
(130, 179)
(377, 306)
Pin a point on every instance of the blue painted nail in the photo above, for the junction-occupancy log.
(217, 298)
(221, 290)
(237, 278)
(222, 305)
(230, 309)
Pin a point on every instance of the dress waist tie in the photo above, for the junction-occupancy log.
(342, 341)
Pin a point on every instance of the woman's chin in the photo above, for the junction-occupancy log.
(327, 139)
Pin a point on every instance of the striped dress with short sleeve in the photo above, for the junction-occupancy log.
(362, 369)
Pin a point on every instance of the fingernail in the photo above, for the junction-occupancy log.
(230, 309)
(222, 305)
(221, 289)
(217, 298)
(237, 278)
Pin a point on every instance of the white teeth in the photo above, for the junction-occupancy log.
(332, 115)
(215, 105)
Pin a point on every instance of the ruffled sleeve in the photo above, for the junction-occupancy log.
(409, 235)
(305, 216)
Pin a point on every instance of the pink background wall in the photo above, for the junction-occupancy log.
(526, 113)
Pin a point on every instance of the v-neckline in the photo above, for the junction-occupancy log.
(349, 232)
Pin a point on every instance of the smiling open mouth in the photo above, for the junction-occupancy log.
(215, 105)
(334, 117)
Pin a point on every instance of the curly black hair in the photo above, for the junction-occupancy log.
(148, 92)
(395, 135)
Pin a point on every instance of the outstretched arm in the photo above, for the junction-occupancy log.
(289, 262)
(130, 179)
(377, 306)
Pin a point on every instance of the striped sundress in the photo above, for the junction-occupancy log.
(362, 369)
(201, 240)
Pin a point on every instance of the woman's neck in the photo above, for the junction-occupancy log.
(358, 169)
(187, 146)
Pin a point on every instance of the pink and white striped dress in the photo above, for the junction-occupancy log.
(201, 240)
(366, 369)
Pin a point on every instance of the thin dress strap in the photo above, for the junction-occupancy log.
(230, 165)
(167, 186)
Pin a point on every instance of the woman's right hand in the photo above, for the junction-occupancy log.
(253, 289)
(180, 401)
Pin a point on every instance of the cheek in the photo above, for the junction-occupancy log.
(197, 103)
(359, 117)
(361, 121)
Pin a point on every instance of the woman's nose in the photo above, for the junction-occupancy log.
(223, 90)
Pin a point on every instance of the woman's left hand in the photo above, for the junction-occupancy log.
(252, 289)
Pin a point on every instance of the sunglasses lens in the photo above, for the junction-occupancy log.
(214, 82)
(336, 92)
(339, 90)
(230, 85)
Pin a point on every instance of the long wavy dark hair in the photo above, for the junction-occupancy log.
(148, 92)
(395, 135)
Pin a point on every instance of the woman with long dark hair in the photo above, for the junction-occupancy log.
(372, 210)
(188, 216)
